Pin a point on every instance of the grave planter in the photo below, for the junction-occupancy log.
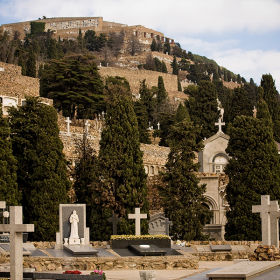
(124, 244)
(147, 275)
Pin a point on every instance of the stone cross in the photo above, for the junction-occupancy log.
(103, 115)
(68, 121)
(274, 223)
(137, 216)
(87, 125)
(114, 219)
(16, 228)
(158, 125)
(264, 209)
(167, 223)
(220, 123)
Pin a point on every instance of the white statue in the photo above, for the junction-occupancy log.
(74, 236)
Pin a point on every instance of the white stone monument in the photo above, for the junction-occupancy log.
(269, 211)
(16, 228)
(68, 121)
(137, 216)
(74, 235)
(87, 125)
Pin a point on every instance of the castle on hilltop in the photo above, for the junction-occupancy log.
(68, 28)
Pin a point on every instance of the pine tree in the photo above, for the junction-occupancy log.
(158, 64)
(31, 64)
(174, 66)
(122, 184)
(164, 68)
(182, 196)
(179, 85)
(162, 94)
(8, 166)
(253, 170)
(204, 111)
(42, 174)
(271, 97)
(75, 86)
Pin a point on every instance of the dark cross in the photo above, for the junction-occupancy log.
(167, 224)
(114, 219)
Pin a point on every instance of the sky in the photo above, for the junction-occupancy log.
(240, 35)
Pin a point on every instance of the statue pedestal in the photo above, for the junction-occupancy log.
(73, 241)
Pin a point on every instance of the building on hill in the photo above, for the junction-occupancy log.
(68, 28)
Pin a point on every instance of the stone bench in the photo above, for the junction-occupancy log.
(58, 276)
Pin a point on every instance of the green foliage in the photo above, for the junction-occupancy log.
(52, 50)
(162, 94)
(117, 80)
(182, 196)
(42, 174)
(31, 65)
(37, 28)
(8, 166)
(182, 114)
(204, 111)
(75, 86)
(184, 64)
(22, 64)
(271, 97)
(166, 47)
(122, 179)
(253, 170)
(158, 64)
(166, 120)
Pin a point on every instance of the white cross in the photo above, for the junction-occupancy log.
(274, 223)
(158, 125)
(87, 125)
(68, 125)
(16, 228)
(264, 209)
(137, 216)
(220, 123)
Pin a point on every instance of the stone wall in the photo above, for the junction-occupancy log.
(135, 76)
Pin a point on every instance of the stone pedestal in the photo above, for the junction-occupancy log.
(147, 275)
(74, 241)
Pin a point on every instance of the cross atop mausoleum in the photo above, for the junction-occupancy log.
(220, 124)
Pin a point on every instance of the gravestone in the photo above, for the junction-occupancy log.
(220, 248)
(242, 270)
(68, 121)
(114, 219)
(265, 209)
(16, 228)
(137, 216)
(167, 223)
(155, 225)
(65, 211)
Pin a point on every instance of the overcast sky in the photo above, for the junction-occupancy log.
(241, 35)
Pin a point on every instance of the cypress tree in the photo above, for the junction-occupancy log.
(162, 94)
(143, 122)
(179, 85)
(164, 68)
(253, 170)
(158, 64)
(271, 97)
(8, 166)
(42, 174)
(174, 66)
(31, 64)
(154, 46)
(182, 196)
(204, 111)
(122, 179)
(22, 64)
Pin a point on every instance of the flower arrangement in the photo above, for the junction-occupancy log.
(97, 272)
(72, 272)
(140, 237)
